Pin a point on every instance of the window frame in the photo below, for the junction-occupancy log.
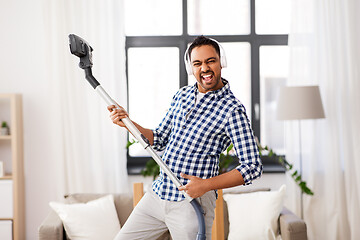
(135, 164)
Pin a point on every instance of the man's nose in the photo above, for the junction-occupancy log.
(204, 67)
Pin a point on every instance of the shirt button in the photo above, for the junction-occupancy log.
(175, 143)
(184, 127)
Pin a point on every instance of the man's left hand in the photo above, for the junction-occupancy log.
(196, 187)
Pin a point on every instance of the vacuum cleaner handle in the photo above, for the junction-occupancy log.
(83, 50)
(143, 140)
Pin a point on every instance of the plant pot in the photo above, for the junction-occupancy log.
(4, 131)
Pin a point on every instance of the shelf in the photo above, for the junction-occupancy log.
(6, 177)
(5, 137)
(13, 155)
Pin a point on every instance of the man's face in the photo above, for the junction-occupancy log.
(205, 63)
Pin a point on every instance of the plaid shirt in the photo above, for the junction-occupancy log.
(193, 144)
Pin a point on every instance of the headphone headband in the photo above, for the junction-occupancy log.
(188, 67)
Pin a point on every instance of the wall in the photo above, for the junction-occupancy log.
(22, 65)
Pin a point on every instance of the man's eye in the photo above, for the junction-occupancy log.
(196, 64)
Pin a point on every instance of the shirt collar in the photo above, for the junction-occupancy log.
(217, 93)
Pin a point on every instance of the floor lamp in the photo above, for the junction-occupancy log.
(299, 103)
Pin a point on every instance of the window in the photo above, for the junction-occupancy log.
(273, 74)
(212, 17)
(153, 17)
(151, 87)
(253, 34)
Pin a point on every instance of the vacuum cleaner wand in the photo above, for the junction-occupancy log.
(79, 47)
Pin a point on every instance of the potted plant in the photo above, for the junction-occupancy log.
(228, 161)
(4, 128)
(296, 176)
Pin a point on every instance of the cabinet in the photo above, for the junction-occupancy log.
(12, 194)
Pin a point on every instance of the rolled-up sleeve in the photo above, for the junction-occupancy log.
(241, 135)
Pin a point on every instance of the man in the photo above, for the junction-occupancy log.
(201, 123)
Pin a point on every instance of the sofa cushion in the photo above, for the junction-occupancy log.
(237, 190)
(95, 219)
(254, 215)
(123, 202)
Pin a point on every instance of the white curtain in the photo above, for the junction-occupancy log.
(324, 50)
(90, 152)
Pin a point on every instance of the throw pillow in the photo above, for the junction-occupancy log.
(254, 215)
(95, 219)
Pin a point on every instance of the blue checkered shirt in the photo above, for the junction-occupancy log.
(193, 143)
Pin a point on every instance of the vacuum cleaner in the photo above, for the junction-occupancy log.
(79, 47)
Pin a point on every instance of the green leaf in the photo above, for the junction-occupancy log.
(128, 144)
(288, 167)
(229, 148)
(151, 169)
(271, 153)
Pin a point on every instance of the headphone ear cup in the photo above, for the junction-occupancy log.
(188, 67)
(223, 61)
(187, 63)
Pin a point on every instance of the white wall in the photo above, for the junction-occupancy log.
(22, 64)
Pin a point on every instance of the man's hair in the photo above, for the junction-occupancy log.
(200, 41)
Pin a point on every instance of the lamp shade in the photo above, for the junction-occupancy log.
(300, 102)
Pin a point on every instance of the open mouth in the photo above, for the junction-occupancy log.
(207, 77)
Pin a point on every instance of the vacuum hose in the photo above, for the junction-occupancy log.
(83, 50)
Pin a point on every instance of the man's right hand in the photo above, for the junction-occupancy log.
(116, 114)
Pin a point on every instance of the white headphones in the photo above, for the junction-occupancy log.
(188, 66)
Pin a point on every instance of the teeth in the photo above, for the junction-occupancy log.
(207, 76)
